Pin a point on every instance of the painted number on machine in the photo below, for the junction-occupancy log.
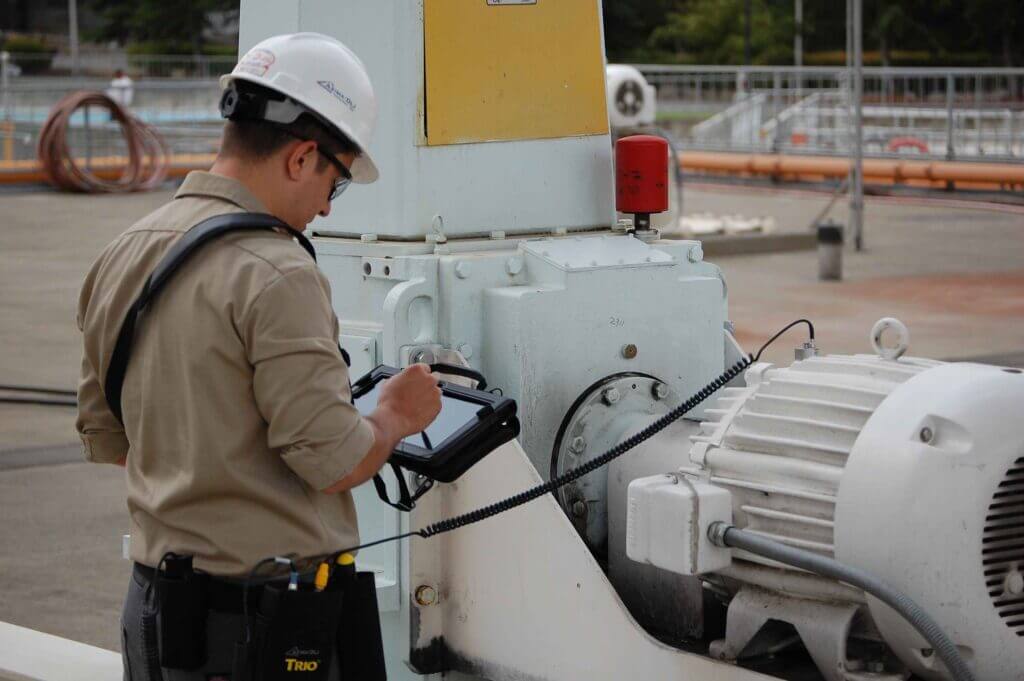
(616, 321)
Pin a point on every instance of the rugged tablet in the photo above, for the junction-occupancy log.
(471, 425)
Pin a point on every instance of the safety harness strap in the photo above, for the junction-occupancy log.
(179, 253)
(406, 501)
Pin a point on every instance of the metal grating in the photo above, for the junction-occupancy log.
(1002, 552)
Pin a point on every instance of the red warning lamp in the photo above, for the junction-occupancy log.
(641, 178)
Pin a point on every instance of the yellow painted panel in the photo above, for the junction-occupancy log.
(513, 72)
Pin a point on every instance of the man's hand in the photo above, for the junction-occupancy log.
(410, 401)
(407, 404)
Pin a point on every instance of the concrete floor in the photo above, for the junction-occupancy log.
(955, 275)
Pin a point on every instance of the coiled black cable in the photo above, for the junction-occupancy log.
(615, 452)
(629, 443)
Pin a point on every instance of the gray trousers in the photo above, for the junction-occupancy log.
(222, 631)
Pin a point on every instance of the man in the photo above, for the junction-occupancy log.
(122, 89)
(238, 435)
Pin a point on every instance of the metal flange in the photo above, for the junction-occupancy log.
(600, 418)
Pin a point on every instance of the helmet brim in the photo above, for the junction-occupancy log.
(364, 170)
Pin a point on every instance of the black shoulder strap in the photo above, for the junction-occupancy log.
(192, 241)
(406, 501)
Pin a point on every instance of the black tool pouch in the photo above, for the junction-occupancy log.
(360, 648)
(293, 631)
(181, 614)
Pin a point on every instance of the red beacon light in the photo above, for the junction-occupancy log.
(641, 178)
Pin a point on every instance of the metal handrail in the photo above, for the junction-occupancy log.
(926, 71)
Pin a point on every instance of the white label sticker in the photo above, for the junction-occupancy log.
(493, 3)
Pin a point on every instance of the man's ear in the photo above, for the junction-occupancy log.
(298, 158)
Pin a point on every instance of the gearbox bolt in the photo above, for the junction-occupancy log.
(578, 445)
(426, 595)
(610, 396)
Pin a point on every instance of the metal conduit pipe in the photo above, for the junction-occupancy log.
(877, 169)
(722, 534)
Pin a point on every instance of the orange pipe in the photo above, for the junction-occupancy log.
(876, 170)
(105, 167)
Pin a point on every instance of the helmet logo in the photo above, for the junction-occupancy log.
(338, 94)
(256, 62)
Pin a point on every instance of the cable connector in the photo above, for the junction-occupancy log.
(716, 533)
(293, 575)
(806, 351)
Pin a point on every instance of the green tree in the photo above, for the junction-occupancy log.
(167, 23)
(1002, 20)
(628, 25)
(712, 32)
(895, 24)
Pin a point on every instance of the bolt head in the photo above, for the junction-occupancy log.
(629, 351)
(695, 254)
(426, 595)
(926, 435)
(610, 396)
(514, 266)
(425, 356)
(578, 445)
(579, 508)
(462, 269)
(660, 391)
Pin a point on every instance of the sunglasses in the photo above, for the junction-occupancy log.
(345, 179)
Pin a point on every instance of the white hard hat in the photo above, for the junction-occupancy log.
(325, 78)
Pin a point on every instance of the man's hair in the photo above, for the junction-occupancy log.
(255, 140)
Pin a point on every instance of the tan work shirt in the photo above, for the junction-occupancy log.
(236, 400)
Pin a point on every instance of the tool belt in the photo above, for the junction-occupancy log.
(286, 631)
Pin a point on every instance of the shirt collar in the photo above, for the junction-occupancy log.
(210, 185)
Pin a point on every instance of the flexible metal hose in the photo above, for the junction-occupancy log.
(148, 154)
(722, 534)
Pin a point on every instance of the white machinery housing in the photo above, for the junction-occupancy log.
(490, 239)
(910, 469)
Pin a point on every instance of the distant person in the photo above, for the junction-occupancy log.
(122, 88)
(236, 425)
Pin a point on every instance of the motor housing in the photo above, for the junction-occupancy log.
(910, 469)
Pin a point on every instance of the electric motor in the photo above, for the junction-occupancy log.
(909, 469)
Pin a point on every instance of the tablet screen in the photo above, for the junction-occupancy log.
(455, 413)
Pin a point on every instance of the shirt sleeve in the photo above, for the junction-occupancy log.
(300, 380)
(103, 438)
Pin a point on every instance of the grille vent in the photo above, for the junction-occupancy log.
(1002, 553)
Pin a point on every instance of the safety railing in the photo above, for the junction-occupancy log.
(105, 63)
(184, 112)
(949, 113)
